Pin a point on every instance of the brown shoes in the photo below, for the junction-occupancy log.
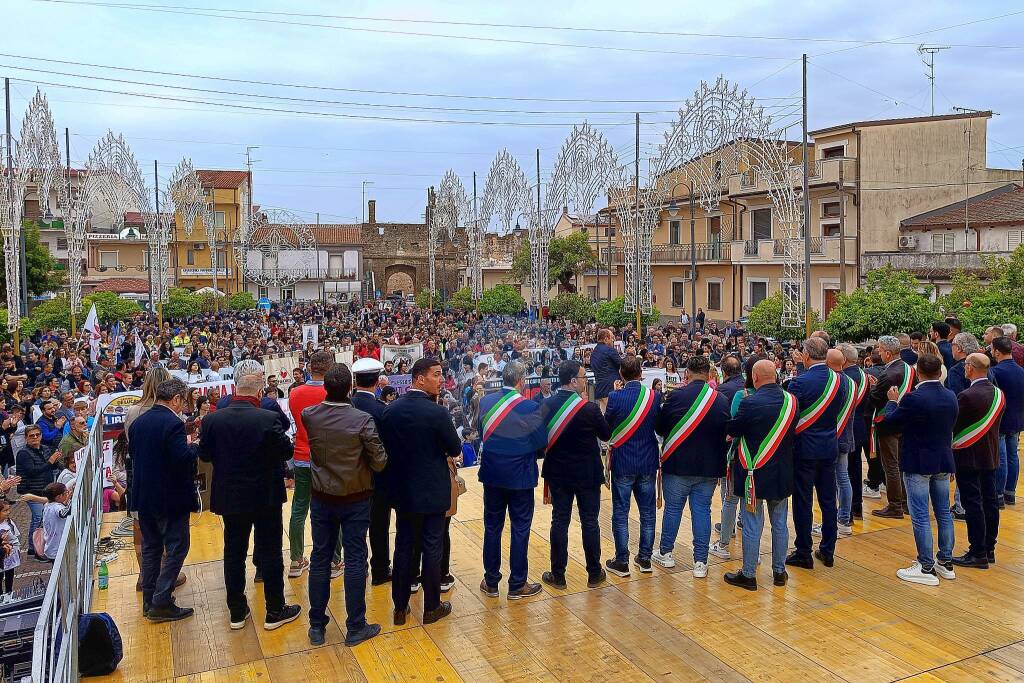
(440, 612)
(889, 512)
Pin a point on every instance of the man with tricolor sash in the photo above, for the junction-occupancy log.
(573, 469)
(855, 439)
(632, 413)
(821, 395)
(762, 471)
(886, 446)
(692, 426)
(976, 452)
(514, 438)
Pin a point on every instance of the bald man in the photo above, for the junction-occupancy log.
(837, 361)
(763, 471)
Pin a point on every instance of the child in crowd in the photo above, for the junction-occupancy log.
(9, 530)
(55, 516)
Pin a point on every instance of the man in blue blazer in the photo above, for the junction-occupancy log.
(604, 363)
(925, 418)
(1009, 377)
(632, 414)
(513, 439)
(820, 393)
(163, 494)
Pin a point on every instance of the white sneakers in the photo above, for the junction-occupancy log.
(666, 560)
(718, 549)
(337, 569)
(700, 570)
(915, 574)
(945, 572)
(868, 492)
(296, 568)
(844, 530)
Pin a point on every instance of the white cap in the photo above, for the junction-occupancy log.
(367, 365)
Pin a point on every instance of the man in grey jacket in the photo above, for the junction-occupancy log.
(344, 447)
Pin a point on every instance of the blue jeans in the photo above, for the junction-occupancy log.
(37, 520)
(519, 503)
(353, 521)
(730, 502)
(699, 490)
(642, 487)
(845, 488)
(753, 524)
(921, 488)
(1009, 464)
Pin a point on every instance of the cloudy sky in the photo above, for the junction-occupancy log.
(396, 93)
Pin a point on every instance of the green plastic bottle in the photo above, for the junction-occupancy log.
(104, 575)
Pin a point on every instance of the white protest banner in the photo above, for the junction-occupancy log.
(344, 356)
(410, 353)
(225, 386)
(311, 333)
(651, 374)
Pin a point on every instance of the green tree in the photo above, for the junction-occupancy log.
(765, 319)
(891, 301)
(502, 300)
(575, 307)
(611, 314)
(241, 301)
(423, 299)
(109, 307)
(567, 257)
(54, 313)
(979, 305)
(42, 274)
(462, 299)
(182, 303)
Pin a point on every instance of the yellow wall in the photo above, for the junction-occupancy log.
(226, 200)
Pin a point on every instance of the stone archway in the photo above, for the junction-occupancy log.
(399, 278)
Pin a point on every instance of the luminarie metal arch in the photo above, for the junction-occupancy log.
(271, 232)
(451, 211)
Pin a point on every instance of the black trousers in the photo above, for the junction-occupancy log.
(876, 473)
(165, 543)
(446, 554)
(981, 506)
(855, 466)
(428, 530)
(808, 476)
(267, 545)
(588, 500)
(380, 530)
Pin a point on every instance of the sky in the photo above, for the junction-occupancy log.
(306, 80)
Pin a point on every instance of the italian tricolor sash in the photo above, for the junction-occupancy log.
(765, 451)
(688, 423)
(971, 434)
(849, 405)
(814, 411)
(499, 411)
(627, 427)
(879, 414)
(558, 421)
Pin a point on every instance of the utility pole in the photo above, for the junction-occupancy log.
(249, 161)
(10, 187)
(159, 256)
(693, 260)
(636, 241)
(927, 53)
(67, 155)
(538, 228)
(807, 210)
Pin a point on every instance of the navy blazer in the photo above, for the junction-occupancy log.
(604, 363)
(163, 464)
(508, 457)
(860, 426)
(956, 380)
(639, 455)
(925, 417)
(731, 386)
(248, 448)
(419, 437)
(575, 457)
(974, 402)
(1009, 377)
(266, 403)
(946, 351)
(819, 441)
(755, 418)
(369, 403)
(702, 454)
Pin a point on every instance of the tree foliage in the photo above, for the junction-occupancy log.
(182, 303)
(765, 319)
(241, 301)
(502, 300)
(568, 256)
(424, 299)
(1000, 301)
(891, 301)
(462, 299)
(42, 276)
(53, 314)
(611, 314)
(575, 307)
(109, 307)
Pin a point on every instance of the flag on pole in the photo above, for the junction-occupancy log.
(140, 350)
(92, 328)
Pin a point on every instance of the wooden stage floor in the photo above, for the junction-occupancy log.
(856, 621)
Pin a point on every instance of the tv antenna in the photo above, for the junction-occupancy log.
(927, 53)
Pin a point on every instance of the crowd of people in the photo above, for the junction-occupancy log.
(769, 425)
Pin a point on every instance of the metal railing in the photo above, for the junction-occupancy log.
(750, 247)
(310, 273)
(680, 253)
(69, 591)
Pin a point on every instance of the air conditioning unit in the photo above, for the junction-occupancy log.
(908, 241)
(198, 246)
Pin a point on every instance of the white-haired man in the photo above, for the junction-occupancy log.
(1010, 330)
(897, 373)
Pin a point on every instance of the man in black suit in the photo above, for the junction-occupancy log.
(573, 469)
(419, 438)
(248, 448)
(604, 363)
(366, 372)
(886, 446)
(732, 369)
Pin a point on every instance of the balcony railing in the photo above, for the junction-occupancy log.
(682, 253)
(930, 263)
(750, 247)
(313, 273)
(817, 246)
(205, 272)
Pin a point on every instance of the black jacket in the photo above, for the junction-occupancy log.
(702, 454)
(248, 449)
(755, 418)
(730, 387)
(418, 437)
(163, 464)
(575, 458)
(368, 403)
(604, 362)
(35, 469)
(974, 403)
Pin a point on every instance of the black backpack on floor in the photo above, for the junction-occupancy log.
(99, 645)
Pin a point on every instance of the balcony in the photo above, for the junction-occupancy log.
(682, 253)
(322, 273)
(930, 264)
(205, 272)
(823, 249)
(822, 171)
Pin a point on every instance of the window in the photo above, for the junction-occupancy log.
(145, 259)
(221, 263)
(714, 296)
(592, 292)
(190, 257)
(287, 293)
(758, 292)
(609, 231)
(262, 293)
(673, 232)
(1014, 239)
(108, 259)
(790, 290)
(761, 224)
(830, 210)
(678, 293)
(836, 152)
(944, 242)
(218, 219)
(62, 243)
(717, 169)
(830, 229)
(714, 229)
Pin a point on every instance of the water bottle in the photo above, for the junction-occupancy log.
(104, 575)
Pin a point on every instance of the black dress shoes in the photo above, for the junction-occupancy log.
(796, 559)
(968, 560)
(741, 580)
(780, 578)
(440, 612)
(827, 560)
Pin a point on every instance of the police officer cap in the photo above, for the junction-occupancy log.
(367, 365)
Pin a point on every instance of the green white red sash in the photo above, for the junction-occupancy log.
(499, 411)
(814, 411)
(849, 405)
(689, 422)
(769, 445)
(879, 414)
(558, 421)
(626, 428)
(971, 434)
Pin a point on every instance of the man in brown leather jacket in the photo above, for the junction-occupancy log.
(344, 447)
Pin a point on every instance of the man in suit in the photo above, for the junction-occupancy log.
(858, 425)
(573, 469)
(692, 425)
(940, 335)
(1009, 377)
(419, 438)
(820, 393)
(765, 428)
(732, 370)
(925, 418)
(885, 444)
(632, 414)
(366, 372)
(963, 345)
(248, 447)
(976, 452)
(513, 438)
(604, 363)
(163, 495)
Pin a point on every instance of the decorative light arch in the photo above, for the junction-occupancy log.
(271, 233)
(451, 211)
